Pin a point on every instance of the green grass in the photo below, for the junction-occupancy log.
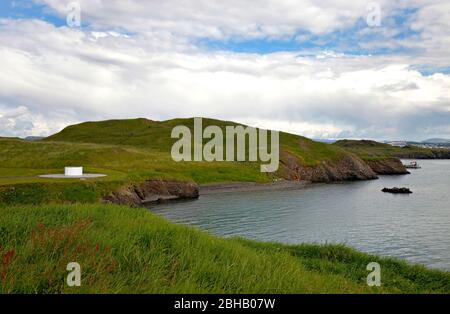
(371, 150)
(128, 151)
(125, 250)
(155, 135)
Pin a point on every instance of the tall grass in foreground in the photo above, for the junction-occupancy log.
(128, 250)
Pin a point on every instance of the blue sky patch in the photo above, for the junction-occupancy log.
(427, 70)
(359, 39)
(21, 9)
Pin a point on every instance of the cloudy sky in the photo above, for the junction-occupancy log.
(323, 69)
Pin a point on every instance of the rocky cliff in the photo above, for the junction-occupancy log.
(387, 166)
(349, 168)
(431, 154)
(153, 191)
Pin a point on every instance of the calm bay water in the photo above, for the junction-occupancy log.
(413, 227)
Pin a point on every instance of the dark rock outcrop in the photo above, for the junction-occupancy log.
(397, 190)
(153, 191)
(349, 168)
(387, 166)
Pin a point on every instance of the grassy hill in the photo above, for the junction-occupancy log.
(128, 151)
(124, 250)
(155, 135)
(142, 133)
(371, 150)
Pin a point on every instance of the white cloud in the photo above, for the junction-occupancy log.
(220, 19)
(20, 122)
(179, 22)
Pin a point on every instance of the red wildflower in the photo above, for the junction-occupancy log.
(7, 257)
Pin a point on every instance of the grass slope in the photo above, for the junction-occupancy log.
(128, 151)
(124, 250)
(155, 135)
(371, 150)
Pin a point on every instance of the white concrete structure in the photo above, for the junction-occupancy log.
(73, 171)
(63, 176)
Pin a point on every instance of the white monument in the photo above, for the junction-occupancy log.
(73, 171)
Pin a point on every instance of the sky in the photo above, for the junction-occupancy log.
(323, 69)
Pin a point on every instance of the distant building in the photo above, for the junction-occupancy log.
(398, 143)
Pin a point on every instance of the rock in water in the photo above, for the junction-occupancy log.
(397, 190)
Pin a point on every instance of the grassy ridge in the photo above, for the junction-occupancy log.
(124, 250)
(128, 151)
(371, 150)
(141, 133)
(154, 135)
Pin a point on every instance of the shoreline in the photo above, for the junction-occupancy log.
(216, 188)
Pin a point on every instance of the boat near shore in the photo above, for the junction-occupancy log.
(412, 165)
